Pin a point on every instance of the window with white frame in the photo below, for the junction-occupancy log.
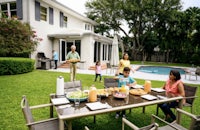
(8, 9)
(43, 13)
(88, 26)
(64, 21)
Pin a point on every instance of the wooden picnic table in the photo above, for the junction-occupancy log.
(115, 104)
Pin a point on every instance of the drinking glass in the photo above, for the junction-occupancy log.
(76, 102)
(99, 98)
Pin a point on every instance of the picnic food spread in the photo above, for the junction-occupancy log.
(138, 91)
(102, 92)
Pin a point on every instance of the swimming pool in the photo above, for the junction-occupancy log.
(158, 70)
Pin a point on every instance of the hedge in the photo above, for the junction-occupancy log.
(12, 66)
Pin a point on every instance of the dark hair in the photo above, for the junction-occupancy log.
(127, 69)
(124, 55)
(176, 73)
(97, 62)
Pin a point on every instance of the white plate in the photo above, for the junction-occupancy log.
(59, 101)
(96, 105)
(158, 90)
(137, 86)
(64, 106)
(149, 97)
(161, 97)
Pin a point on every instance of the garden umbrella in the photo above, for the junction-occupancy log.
(114, 60)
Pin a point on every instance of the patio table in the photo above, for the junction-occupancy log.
(132, 101)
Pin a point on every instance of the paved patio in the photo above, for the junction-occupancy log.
(137, 74)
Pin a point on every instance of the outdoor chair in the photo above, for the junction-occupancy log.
(111, 68)
(48, 124)
(152, 126)
(72, 86)
(190, 93)
(194, 123)
(110, 82)
(175, 125)
(193, 72)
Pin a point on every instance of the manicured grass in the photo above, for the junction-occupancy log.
(37, 86)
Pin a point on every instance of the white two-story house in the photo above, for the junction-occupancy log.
(60, 27)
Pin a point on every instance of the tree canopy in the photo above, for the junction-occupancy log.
(151, 24)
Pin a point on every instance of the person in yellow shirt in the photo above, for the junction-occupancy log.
(125, 62)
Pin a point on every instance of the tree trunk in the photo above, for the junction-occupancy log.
(167, 56)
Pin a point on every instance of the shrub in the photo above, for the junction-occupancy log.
(12, 66)
(17, 39)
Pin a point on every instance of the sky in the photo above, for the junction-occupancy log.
(79, 5)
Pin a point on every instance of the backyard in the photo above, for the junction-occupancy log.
(37, 86)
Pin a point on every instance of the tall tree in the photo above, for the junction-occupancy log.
(142, 17)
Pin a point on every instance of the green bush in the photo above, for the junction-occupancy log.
(12, 66)
(17, 39)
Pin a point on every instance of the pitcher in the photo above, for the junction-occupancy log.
(147, 86)
(93, 94)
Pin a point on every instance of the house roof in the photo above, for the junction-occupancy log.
(66, 9)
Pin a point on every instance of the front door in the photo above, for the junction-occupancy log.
(65, 47)
(77, 43)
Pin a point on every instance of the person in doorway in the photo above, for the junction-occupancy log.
(55, 58)
(98, 71)
(174, 87)
(125, 62)
(124, 80)
(72, 58)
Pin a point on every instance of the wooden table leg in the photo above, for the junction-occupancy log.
(69, 125)
(61, 124)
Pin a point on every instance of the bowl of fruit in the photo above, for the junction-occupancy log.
(119, 95)
(82, 96)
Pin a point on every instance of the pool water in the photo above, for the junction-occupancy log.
(158, 70)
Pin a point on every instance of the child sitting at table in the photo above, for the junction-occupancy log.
(124, 80)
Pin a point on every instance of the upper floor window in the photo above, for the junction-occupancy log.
(43, 13)
(51, 18)
(88, 27)
(64, 21)
(8, 9)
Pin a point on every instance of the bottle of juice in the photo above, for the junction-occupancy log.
(147, 86)
(93, 94)
(123, 89)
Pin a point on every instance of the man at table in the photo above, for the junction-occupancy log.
(73, 57)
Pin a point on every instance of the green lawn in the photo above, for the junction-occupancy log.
(37, 86)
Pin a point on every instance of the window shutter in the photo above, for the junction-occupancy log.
(61, 19)
(19, 10)
(37, 11)
(50, 15)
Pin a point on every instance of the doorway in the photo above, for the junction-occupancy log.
(65, 47)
